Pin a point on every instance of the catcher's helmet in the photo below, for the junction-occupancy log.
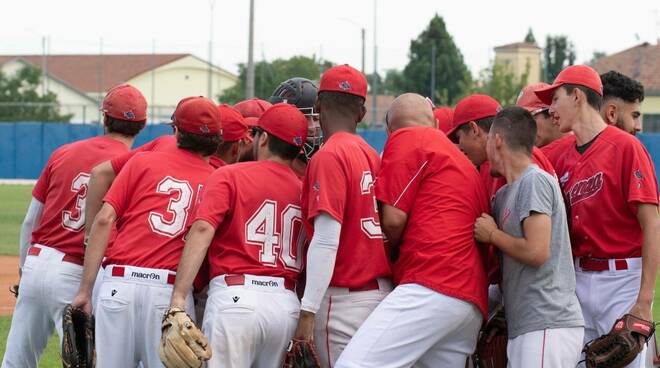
(301, 92)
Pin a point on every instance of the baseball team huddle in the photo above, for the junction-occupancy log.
(483, 236)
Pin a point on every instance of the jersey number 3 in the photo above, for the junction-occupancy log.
(75, 220)
(177, 209)
(260, 230)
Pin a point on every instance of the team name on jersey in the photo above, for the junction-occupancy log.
(144, 275)
(586, 188)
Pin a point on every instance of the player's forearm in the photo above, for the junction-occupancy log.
(518, 248)
(98, 243)
(198, 240)
(393, 222)
(30, 223)
(100, 181)
(650, 255)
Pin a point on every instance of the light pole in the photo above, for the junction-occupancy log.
(249, 83)
(374, 88)
(362, 35)
(209, 82)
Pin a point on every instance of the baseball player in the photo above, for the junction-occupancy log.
(546, 131)
(350, 269)
(611, 195)
(622, 97)
(544, 320)
(430, 195)
(235, 138)
(250, 223)
(301, 92)
(51, 241)
(444, 116)
(151, 202)
(251, 109)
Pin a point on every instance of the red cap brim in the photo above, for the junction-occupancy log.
(545, 94)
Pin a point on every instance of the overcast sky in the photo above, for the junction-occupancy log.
(327, 28)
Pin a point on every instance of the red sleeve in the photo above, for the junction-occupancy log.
(327, 183)
(118, 162)
(638, 177)
(40, 190)
(217, 198)
(542, 161)
(401, 172)
(119, 193)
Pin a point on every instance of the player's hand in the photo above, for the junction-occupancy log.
(178, 302)
(484, 228)
(642, 311)
(83, 301)
(305, 328)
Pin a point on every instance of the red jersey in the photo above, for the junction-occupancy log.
(166, 143)
(216, 162)
(62, 188)
(339, 181)
(493, 184)
(424, 175)
(255, 209)
(602, 188)
(154, 196)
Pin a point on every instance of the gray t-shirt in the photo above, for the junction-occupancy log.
(544, 297)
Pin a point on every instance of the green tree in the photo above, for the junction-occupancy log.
(529, 38)
(499, 82)
(451, 74)
(268, 75)
(559, 53)
(597, 55)
(20, 101)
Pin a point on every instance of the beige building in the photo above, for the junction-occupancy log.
(641, 62)
(521, 57)
(81, 81)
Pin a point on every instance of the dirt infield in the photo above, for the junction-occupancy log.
(8, 277)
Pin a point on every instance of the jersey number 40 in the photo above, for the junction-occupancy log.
(260, 230)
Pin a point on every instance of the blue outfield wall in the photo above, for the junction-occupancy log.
(26, 146)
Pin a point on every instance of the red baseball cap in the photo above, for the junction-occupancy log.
(345, 79)
(528, 100)
(233, 124)
(198, 115)
(582, 75)
(444, 115)
(285, 122)
(471, 108)
(125, 102)
(252, 109)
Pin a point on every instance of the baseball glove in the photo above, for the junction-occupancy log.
(621, 345)
(182, 344)
(14, 290)
(493, 339)
(78, 339)
(301, 354)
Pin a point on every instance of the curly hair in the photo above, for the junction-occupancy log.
(617, 85)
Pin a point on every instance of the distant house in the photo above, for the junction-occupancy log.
(642, 63)
(81, 81)
(521, 57)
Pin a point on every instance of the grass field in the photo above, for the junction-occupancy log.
(14, 200)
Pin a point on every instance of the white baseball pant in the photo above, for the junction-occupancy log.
(606, 296)
(249, 325)
(129, 315)
(415, 325)
(340, 315)
(549, 348)
(47, 285)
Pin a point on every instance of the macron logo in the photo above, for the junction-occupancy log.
(586, 188)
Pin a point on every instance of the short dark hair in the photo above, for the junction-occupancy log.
(593, 98)
(346, 103)
(617, 85)
(204, 145)
(123, 127)
(518, 128)
(225, 146)
(483, 123)
(278, 147)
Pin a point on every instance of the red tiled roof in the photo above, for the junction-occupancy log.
(641, 62)
(518, 45)
(96, 73)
